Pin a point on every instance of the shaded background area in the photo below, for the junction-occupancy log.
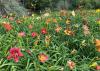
(25, 7)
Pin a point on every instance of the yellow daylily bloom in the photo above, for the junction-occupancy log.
(94, 64)
(97, 10)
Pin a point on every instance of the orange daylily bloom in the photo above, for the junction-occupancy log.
(42, 57)
(48, 21)
(54, 20)
(97, 43)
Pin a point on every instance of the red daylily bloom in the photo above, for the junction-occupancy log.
(43, 31)
(34, 34)
(21, 34)
(43, 57)
(7, 26)
(15, 53)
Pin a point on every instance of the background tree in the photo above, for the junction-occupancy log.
(12, 6)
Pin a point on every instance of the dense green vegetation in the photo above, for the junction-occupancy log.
(55, 41)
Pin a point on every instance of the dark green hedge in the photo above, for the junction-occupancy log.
(73, 4)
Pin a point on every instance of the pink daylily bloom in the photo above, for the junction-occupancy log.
(71, 64)
(21, 34)
(15, 53)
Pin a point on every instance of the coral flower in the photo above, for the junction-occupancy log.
(18, 21)
(58, 29)
(97, 67)
(43, 31)
(71, 64)
(15, 53)
(34, 34)
(42, 57)
(21, 34)
(30, 26)
(4, 16)
(97, 43)
(68, 32)
(7, 26)
(11, 18)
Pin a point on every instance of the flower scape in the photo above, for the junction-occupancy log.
(60, 41)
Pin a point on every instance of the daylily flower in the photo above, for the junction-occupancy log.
(97, 10)
(43, 31)
(68, 32)
(68, 21)
(21, 34)
(34, 34)
(58, 28)
(73, 13)
(42, 57)
(71, 64)
(37, 40)
(11, 18)
(15, 53)
(97, 67)
(30, 26)
(18, 21)
(47, 40)
(74, 51)
(94, 64)
(63, 13)
(4, 16)
(48, 21)
(97, 43)
(85, 27)
(54, 20)
(7, 26)
(46, 15)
